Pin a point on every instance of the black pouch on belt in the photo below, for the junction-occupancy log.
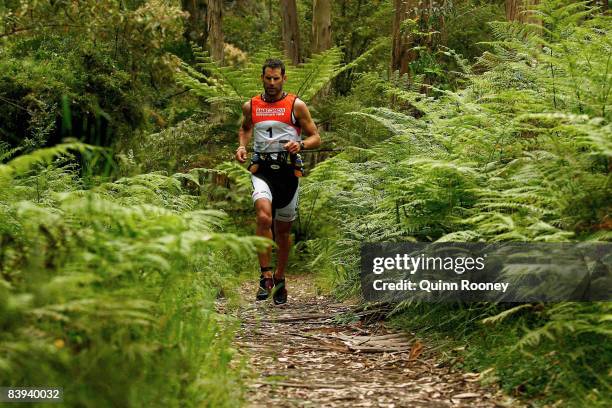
(271, 161)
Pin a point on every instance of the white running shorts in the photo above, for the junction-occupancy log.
(261, 189)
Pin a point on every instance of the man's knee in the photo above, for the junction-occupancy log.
(283, 229)
(264, 219)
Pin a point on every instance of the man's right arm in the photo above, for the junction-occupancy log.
(244, 133)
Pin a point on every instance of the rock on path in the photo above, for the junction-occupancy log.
(307, 353)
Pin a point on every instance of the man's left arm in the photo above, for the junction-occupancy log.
(312, 140)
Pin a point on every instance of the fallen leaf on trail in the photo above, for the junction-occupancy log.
(471, 377)
(467, 395)
(415, 351)
(328, 329)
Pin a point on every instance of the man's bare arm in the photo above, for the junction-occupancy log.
(245, 133)
(313, 139)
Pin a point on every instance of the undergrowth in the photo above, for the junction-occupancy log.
(521, 153)
(109, 291)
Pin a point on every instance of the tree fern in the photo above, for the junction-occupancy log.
(234, 86)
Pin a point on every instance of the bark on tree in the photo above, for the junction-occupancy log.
(429, 16)
(512, 9)
(401, 54)
(321, 25)
(516, 11)
(215, 29)
(196, 29)
(290, 31)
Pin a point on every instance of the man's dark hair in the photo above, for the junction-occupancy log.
(273, 63)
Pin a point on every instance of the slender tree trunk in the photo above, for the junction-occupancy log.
(290, 32)
(512, 9)
(215, 29)
(515, 11)
(196, 29)
(401, 54)
(428, 16)
(431, 16)
(321, 25)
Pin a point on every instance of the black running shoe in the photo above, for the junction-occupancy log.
(265, 288)
(280, 292)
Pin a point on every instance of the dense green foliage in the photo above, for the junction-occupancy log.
(111, 259)
(521, 153)
(233, 85)
(99, 65)
(108, 292)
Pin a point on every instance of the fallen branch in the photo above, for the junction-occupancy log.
(298, 318)
(366, 349)
(299, 385)
(328, 347)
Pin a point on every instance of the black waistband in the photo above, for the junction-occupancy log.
(274, 157)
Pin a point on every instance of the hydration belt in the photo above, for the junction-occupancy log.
(277, 161)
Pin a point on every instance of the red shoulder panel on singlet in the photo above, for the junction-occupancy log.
(280, 110)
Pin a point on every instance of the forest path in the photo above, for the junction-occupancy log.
(307, 353)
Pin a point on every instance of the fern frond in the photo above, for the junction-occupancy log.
(233, 85)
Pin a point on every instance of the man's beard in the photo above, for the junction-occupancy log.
(274, 92)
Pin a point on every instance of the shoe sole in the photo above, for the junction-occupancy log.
(280, 302)
(259, 296)
(276, 290)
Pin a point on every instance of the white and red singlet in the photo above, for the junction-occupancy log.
(273, 122)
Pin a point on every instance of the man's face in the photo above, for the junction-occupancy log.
(273, 81)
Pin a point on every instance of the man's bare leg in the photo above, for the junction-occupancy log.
(263, 211)
(282, 235)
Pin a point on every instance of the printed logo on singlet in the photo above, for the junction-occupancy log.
(270, 111)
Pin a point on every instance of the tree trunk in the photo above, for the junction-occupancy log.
(515, 11)
(428, 16)
(401, 55)
(321, 26)
(512, 9)
(290, 32)
(196, 29)
(215, 29)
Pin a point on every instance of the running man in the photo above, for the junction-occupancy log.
(278, 120)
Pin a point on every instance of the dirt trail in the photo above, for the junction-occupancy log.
(307, 354)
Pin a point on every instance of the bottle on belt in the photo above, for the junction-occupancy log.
(254, 165)
(294, 159)
(298, 164)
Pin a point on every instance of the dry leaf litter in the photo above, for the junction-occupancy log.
(307, 353)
